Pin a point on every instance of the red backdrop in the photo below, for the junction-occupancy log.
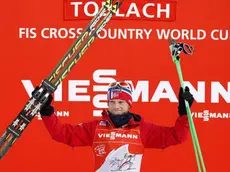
(132, 59)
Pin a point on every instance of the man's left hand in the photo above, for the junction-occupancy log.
(184, 95)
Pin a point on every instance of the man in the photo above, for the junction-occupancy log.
(119, 138)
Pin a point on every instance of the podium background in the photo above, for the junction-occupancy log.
(33, 59)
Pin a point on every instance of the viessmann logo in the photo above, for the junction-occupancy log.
(79, 91)
(133, 10)
(206, 115)
(114, 135)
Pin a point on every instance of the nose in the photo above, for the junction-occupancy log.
(116, 105)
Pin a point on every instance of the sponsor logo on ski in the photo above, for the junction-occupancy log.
(68, 56)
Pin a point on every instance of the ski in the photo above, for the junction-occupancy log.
(50, 84)
(87, 31)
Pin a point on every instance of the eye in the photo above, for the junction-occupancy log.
(112, 102)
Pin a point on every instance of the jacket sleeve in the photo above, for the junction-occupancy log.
(154, 136)
(72, 135)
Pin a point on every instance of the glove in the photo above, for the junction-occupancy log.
(184, 95)
(47, 109)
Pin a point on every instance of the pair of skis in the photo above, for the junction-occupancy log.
(50, 84)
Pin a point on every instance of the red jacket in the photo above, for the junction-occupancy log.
(152, 136)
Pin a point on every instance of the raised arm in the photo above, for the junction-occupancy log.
(154, 136)
(72, 135)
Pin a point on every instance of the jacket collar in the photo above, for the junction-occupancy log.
(134, 121)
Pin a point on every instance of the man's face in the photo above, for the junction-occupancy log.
(118, 106)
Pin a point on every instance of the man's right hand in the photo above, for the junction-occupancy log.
(47, 109)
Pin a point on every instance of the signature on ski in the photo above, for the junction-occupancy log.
(123, 164)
